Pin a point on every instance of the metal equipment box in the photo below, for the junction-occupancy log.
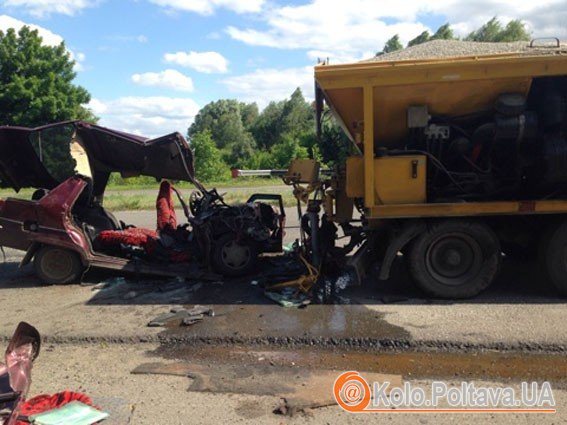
(397, 179)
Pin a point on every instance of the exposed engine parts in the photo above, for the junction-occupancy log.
(516, 149)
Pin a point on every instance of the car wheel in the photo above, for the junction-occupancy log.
(455, 259)
(233, 258)
(58, 265)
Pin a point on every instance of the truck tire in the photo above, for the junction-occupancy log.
(455, 259)
(58, 265)
(233, 258)
(553, 256)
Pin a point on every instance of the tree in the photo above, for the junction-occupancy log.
(515, 31)
(493, 31)
(298, 116)
(224, 120)
(421, 38)
(249, 114)
(267, 128)
(36, 82)
(293, 116)
(392, 45)
(334, 146)
(286, 151)
(487, 32)
(209, 164)
(444, 32)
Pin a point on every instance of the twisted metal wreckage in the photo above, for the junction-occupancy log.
(65, 228)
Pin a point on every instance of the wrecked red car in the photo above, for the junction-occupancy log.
(65, 229)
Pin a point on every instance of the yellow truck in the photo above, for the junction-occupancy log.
(456, 162)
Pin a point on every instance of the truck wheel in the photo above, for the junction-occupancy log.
(553, 256)
(455, 259)
(233, 258)
(57, 265)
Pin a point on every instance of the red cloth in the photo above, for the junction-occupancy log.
(44, 402)
(146, 238)
(166, 218)
(135, 236)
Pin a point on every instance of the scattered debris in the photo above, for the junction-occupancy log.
(73, 413)
(289, 298)
(187, 317)
(191, 320)
(328, 288)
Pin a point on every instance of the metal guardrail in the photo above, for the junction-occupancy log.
(268, 173)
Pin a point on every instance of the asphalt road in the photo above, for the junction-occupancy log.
(94, 338)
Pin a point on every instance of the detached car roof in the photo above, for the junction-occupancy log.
(165, 157)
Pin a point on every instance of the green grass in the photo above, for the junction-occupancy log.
(240, 190)
(140, 184)
(22, 194)
(120, 202)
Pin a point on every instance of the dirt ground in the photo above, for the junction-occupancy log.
(95, 336)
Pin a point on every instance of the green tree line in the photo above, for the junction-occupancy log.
(230, 134)
(492, 31)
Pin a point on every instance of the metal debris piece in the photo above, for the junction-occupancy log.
(191, 320)
(162, 319)
(199, 309)
(288, 298)
(187, 317)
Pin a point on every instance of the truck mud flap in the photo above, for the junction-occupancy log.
(408, 233)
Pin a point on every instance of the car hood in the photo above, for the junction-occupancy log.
(166, 157)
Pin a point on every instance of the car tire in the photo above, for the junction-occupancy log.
(455, 259)
(233, 258)
(58, 265)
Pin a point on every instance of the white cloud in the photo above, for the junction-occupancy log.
(347, 29)
(265, 85)
(79, 59)
(168, 79)
(208, 7)
(42, 8)
(49, 38)
(207, 62)
(147, 116)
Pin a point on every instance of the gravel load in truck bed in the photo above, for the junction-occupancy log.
(455, 48)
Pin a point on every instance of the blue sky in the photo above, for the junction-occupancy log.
(151, 64)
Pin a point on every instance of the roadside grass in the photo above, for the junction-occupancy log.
(116, 201)
(239, 191)
(149, 183)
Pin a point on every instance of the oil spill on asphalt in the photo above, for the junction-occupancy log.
(411, 365)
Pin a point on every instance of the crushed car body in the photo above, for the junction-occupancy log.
(66, 230)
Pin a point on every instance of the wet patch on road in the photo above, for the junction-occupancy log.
(410, 365)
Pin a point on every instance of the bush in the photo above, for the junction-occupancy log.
(209, 164)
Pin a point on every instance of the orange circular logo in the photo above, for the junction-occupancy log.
(352, 392)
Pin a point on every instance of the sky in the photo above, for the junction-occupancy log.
(150, 65)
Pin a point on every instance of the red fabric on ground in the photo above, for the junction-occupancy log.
(44, 402)
(166, 218)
